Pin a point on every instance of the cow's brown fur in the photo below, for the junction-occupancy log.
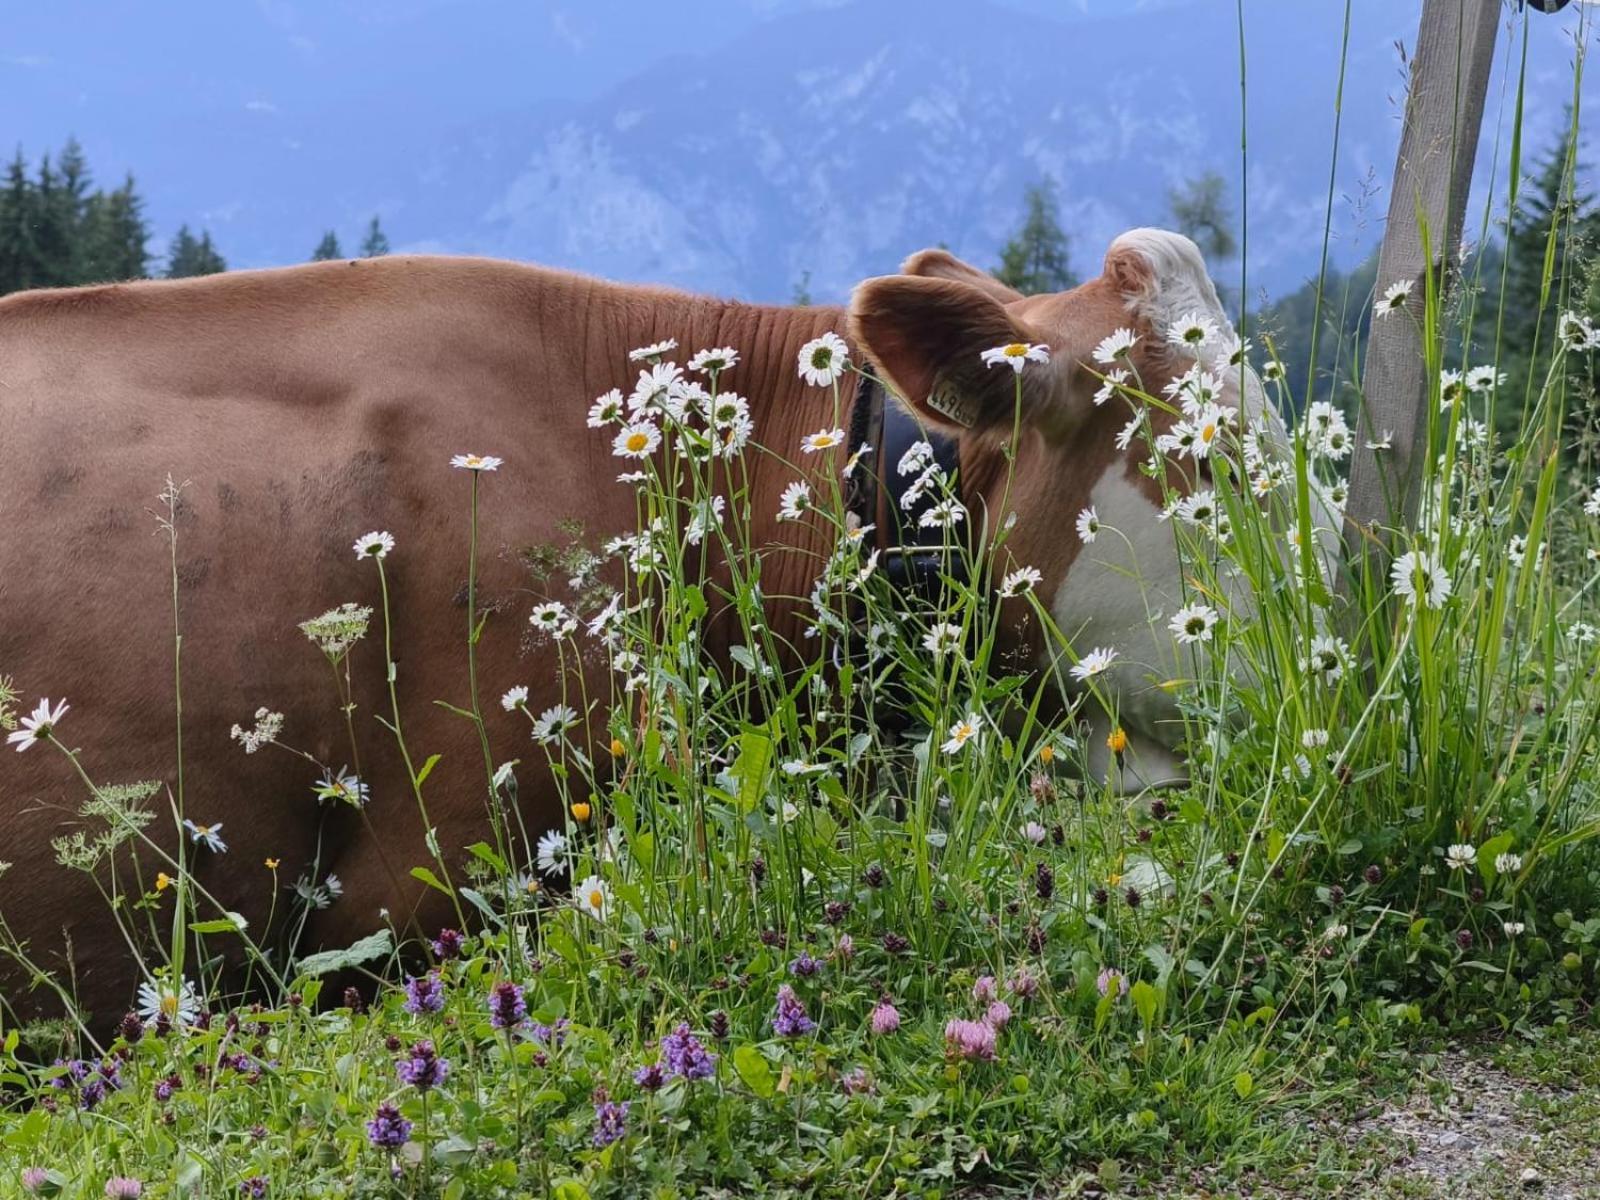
(304, 407)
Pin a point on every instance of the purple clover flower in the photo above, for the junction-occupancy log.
(424, 994)
(1111, 982)
(790, 1019)
(610, 1123)
(507, 1005)
(124, 1187)
(423, 1069)
(685, 1056)
(885, 1018)
(969, 1039)
(388, 1130)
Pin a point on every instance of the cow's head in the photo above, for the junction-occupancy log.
(925, 331)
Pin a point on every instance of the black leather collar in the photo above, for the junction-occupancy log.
(913, 556)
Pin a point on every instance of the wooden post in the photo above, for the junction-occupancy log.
(1438, 146)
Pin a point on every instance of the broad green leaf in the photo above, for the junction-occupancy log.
(1145, 998)
(1244, 1085)
(754, 1069)
(429, 878)
(373, 946)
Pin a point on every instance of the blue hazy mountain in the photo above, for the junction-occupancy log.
(733, 145)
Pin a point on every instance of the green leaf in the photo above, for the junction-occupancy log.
(427, 768)
(1243, 1085)
(484, 852)
(754, 1069)
(221, 925)
(1145, 999)
(429, 878)
(373, 946)
(751, 767)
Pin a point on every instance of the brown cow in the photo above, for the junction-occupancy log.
(305, 406)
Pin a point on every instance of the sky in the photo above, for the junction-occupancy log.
(233, 113)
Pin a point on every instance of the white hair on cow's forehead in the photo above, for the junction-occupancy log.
(1180, 284)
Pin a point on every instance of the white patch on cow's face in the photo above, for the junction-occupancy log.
(1118, 592)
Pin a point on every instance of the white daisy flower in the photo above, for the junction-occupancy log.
(796, 767)
(373, 545)
(1016, 355)
(552, 853)
(1109, 385)
(968, 729)
(1394, 298)
(344, 787)
(706, 515)
(658, 388)
(854, 460)
(942, 638)
(637, 439)
(1192, 332)
(1115, 347)
(634, 477)
(593, 897)
(1193, 623)
(1125, 435)
(1088, 525)
(516, 698)
(1272, 371)
(606, 410)
(206, 835)
(653, 351)
(822, 360)
(1459, 856)
(711, 362)
(1093, 663)
(1023, 579)
(38, 726)
(946, 514)
(552, 723)
(1416, 576)
(1484, 379)
(917, 458)
(552, 619)
(823, 439)
(1327, 659)
(1384, 441)
(476, 462)
(179, 1004)
(795, 500)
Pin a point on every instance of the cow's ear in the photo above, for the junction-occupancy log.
(926, 337)
(941, 264)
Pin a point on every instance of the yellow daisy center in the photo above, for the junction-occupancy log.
(637, 442)
(169, 1004)
(597, 899)
(1016, 350)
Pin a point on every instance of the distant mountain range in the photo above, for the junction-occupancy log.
(835, 139)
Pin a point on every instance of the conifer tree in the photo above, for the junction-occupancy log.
(1038, 259)
(192, 256)
(327, 248)
(19, 255)
(1200, 211)
(376, 243)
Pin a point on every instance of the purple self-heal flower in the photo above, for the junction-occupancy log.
(388, 1130)
(507, 1005)
(423, 1069)
(685, 1056)
(255, 1187)
(856, 1081)
(805, 966)
(610, 1123)
(424, 994)
(790, 1019)
(447, 945)
(650, 1077)
(551, 1035)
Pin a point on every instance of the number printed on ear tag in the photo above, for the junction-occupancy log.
(948, 402)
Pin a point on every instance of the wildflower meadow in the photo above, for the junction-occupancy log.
(883, 909)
